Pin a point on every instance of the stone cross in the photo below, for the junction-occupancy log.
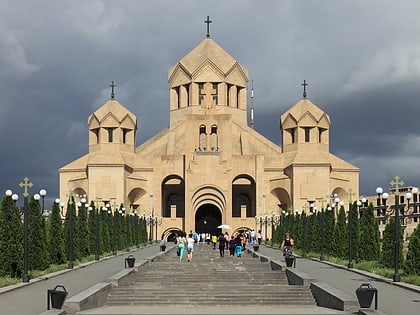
(397, 183)
(208, 21)
(26, 183)
(208, 93)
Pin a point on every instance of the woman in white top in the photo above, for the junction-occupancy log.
(190, 246)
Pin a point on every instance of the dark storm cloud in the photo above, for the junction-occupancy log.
(57, 60)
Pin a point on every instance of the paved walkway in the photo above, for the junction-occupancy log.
(394, 299)
(31, 298)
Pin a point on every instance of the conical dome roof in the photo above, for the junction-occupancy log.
(207, 50)
(117, 110)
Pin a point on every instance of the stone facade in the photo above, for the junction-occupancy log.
(209, 167)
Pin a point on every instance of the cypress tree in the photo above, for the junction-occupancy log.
(82, 232)
(387, 255)
(70, 229)
(55, 239)
(11, 239)
(92, 227)
(412, 263)
(369, 235)
(355, 233)
(329, 226)
(339, 246)
(38, 257)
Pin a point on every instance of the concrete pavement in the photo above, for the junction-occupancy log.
(31, 298)
(393, 298)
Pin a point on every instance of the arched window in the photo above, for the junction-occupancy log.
(214, 139)
(203, 139)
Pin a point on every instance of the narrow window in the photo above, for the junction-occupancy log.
(213, 136)
(202, 139)
(307, 134)
(110, 135)
(292, 132)
(215, 97)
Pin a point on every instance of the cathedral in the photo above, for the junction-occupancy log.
(209, 167)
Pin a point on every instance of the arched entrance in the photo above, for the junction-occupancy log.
(207, 218)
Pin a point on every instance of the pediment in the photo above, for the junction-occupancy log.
(93, 122)
(110, 121)
(324, 122)
(128, 123)
(307, 120)
(208, 72)
(179, 76)
(289, 122)
(236, 76)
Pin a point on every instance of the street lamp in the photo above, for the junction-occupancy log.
(25, 185)
(397, 210)
(43, 193)
(151, 219)
(275, 220)
(350, 194)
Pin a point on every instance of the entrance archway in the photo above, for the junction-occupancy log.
(207, 218)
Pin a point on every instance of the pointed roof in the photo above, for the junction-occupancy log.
(208, 49)
(117, 110)
(303, 108)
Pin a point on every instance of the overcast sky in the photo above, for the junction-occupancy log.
(57, 58)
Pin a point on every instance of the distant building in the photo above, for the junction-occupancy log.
(209, 167)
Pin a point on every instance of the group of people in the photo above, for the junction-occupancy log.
(235, 244)
(185, 242)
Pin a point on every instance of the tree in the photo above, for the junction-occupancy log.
(82, 229)
(369, 235)
(355, 233)
(11, 239)
(38, 257)
(55, 236)
(387, 256)
(70, 229)
(412, 263)
(340, 244)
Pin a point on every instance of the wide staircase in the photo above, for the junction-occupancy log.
(209, 280)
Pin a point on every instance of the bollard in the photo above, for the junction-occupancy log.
(365, 295)
(290, 261)
(129, 261)
(56, 298)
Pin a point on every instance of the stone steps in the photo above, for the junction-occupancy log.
(209, 280)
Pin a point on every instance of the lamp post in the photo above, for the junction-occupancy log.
(399, 214)
(43, 193)
(151, 219)
(275, 220)
(70, 210)
(25, 184)
(397, 183)
(158, 221)
(350, 195)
